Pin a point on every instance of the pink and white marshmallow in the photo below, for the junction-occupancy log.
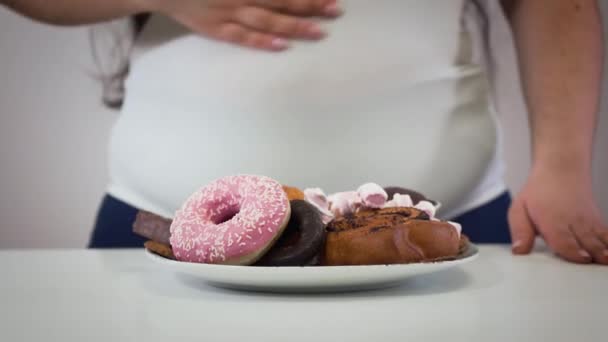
(400, 200)
(427, 207)
(344, 203)
(317, 198)
(372, 195)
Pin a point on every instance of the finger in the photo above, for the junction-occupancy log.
(238, 34)
(302, 7)
(602, 232)
(522, 229)
(590, 241)
(564, 243)
(602, 235)
(332, 9)
(267, 21)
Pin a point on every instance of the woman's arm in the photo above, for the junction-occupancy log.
(262, 24)
(559, 45)
(560, 53)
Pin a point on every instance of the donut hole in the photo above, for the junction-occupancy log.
(290, 237)
(294, 237)
(226, 214)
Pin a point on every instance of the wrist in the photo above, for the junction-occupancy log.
(564, 163)
(571, 157)
(566, 171)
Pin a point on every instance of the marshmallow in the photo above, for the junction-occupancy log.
(317, 198)
(326, 216)
(372, 195)
(343, 203)
(399, 200)
(427, 207)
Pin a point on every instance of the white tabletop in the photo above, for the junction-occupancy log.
(85, 295)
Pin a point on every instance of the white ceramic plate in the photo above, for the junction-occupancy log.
(308, 279)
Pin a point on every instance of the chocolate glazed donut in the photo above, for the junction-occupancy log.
(302, 240)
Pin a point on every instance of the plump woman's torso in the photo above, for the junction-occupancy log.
(391, 96)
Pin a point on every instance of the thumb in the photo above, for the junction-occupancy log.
(522, 229)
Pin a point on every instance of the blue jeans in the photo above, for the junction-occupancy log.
(488, 223)
(113, 227)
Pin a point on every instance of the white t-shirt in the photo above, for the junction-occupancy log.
(395, 95)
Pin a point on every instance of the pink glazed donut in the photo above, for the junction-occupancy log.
(232, 221)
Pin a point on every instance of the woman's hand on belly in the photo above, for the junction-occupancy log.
(260, 24)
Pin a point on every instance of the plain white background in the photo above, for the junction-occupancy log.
(53, 135)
